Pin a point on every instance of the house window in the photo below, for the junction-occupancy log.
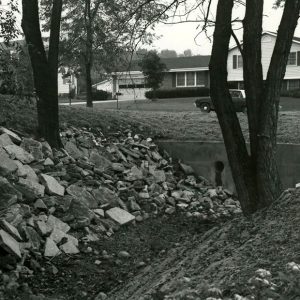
(292, 59)
(180, 79)
(66, 80)
(200, 79)
(190, 78)
(237, 61)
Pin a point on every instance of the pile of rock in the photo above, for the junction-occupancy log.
(96, 184)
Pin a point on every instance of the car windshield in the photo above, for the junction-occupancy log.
(236, 94)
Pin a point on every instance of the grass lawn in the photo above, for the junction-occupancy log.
(155, 121)
(179, 105)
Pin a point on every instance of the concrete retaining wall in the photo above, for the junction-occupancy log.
(202, 156)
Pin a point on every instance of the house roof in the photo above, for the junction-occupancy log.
(272, 33)
(174, 63)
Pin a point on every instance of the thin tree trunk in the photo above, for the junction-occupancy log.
(44, 70)
(88, 81)
(88, 53)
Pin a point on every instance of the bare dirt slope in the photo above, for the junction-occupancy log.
(226, 256)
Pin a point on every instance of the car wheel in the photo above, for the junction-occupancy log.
(205, 107)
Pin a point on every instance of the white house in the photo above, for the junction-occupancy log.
(66, 81)
(292, 74)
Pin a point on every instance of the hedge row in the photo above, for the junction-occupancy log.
(179, 93)
(291, 93)
(101, 95)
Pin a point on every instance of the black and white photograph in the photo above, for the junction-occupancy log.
(149, 150)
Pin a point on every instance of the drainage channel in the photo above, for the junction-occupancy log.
(209, 159)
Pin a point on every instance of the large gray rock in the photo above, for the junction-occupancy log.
(26, 171)
(83, 195)
(19, 153)
(32, 237)
(72, 150)
(53, 187)
(8, 243)
(120, 216)
(55, 223)
(104, 196)
(51, 249)
(12, 230)
(5, 140)
(78, 210)
(13, 136)
(30, 189)
(100, 162)
(7, 165)
(135, 174)
(8, 194)
(69, 248)
(47, 150)
(33, 147)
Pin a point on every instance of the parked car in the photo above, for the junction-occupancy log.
(238, 97)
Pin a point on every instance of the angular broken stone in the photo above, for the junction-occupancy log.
(8, 243)
(52, 185)
(33, 147)
(135, 174)
(159, 176)
(69, 248)
(99, 212)
(46, 148)
(117, 167)
(19, 153)
(12, 230)
(82, 194)
(78, 210)
(30, 188)
(48, 162)
(72, 150)
(101, 163)
(13, 136)
(7, 165)
(51, 249)
(39, 204)
(5, 140)
(33, 237)
(120, 216)
(57, 235)
(42, 228)
(54, 222)
(104, 195)
(30, 173)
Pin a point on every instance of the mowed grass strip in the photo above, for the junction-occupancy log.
(181, 125)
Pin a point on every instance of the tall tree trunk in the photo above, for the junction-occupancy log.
(239, 160)
(88, 81)
(44, 70)
(255, 175)
(88, 53)
(268, 179)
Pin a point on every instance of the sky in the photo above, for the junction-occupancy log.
(182, 36)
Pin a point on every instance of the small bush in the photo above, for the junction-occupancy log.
(101, 95)
(179, 93)
(291, 93)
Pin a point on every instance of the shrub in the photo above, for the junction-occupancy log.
(179, 93)
(291, 93)
(101, 95)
